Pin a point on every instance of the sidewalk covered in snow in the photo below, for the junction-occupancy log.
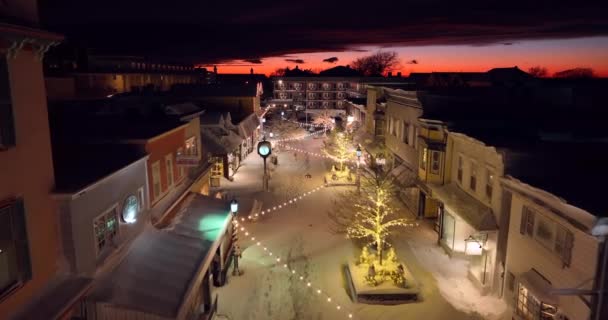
(165, 275)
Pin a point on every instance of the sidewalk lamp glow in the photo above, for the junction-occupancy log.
(350, 119)
(285, 105)
(234, 207)
(263, 120)
(282, 113)
(271, 134)
(359, 152)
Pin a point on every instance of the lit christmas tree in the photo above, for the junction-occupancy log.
(339, 148)
(371, 214)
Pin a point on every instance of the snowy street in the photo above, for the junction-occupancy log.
(298, 234)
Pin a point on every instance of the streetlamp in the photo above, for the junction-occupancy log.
(236, 250)
(358, 152)
(264, 150)
(234, 207)
(282, 115)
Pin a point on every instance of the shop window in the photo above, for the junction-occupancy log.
(435, 161)
(460, 169)
(7, 125)
(15, 267)
(473, 179)
(106, 229)
(156, 186)
(141, 199)
(529, 307)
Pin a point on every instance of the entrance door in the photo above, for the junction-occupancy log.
(421, 205)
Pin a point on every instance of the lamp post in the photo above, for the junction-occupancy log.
(236, 250)
(358, 170)
(264, 150)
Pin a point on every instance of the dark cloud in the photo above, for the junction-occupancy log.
(271, 28)
(254, 61)
(413, 61)
(331, 60)
(299, 61)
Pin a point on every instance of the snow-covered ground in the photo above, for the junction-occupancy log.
(300, 235)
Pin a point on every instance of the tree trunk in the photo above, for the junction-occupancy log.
(379, 246)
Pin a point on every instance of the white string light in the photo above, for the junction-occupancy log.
(300, 137)
(315, 154)
(285, 204)
(301, 277)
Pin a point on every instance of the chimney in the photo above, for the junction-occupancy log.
(390, 74)
(251, 71)
(215, 69)
(399, 74)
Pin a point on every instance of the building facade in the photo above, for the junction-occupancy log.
(313, 92)
(101, 76)
(29, 245)
(551, 256)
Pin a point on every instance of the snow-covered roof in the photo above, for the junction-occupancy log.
(578, 217)
(248, 126)
(157, 273)
(460, 203)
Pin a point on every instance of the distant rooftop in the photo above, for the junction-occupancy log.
(218, 90)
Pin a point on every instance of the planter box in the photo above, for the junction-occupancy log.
(385, 293)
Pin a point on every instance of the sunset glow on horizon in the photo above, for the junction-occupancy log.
(555, 55)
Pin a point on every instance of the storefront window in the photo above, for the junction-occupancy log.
(447, 234)
(531, 308)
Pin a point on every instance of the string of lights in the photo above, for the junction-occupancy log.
(300, 137)
(315, 154)
(301, 277)
(284, 204)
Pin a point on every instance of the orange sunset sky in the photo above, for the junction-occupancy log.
(555, 55)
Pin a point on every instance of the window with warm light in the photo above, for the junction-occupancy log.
(106, 228)
(529, 307)
(191, 147)
(423, 157)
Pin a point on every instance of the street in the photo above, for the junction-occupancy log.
(299, 235)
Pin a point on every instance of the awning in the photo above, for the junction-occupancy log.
(404, 175)
(55, 301)
(463, 205)
(162, 264)
(538, 286)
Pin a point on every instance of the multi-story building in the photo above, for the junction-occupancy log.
(313, 92)
(73, 73)
(30, 250)
(557, 254)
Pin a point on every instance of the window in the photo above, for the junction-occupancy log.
(141, 199)
(527, 221)
(395, 127)
(311, 86)
(15, 267)
(510, 281)
(553, 236)
(460, 165)
(217, 171)
(531, 308)
(340, 85)
(7, 126)
(325, 86)
(169, 163)
(473, 180)
(182, 170)
(156, 186)
(106, 229)
(325, 95)
(435, 161)
(416, 138)
(489, 184)
(191, 146)
(405, 133)
(311, 95)
(423, 158)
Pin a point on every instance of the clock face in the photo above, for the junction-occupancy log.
(264, 150)
(130, 209)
